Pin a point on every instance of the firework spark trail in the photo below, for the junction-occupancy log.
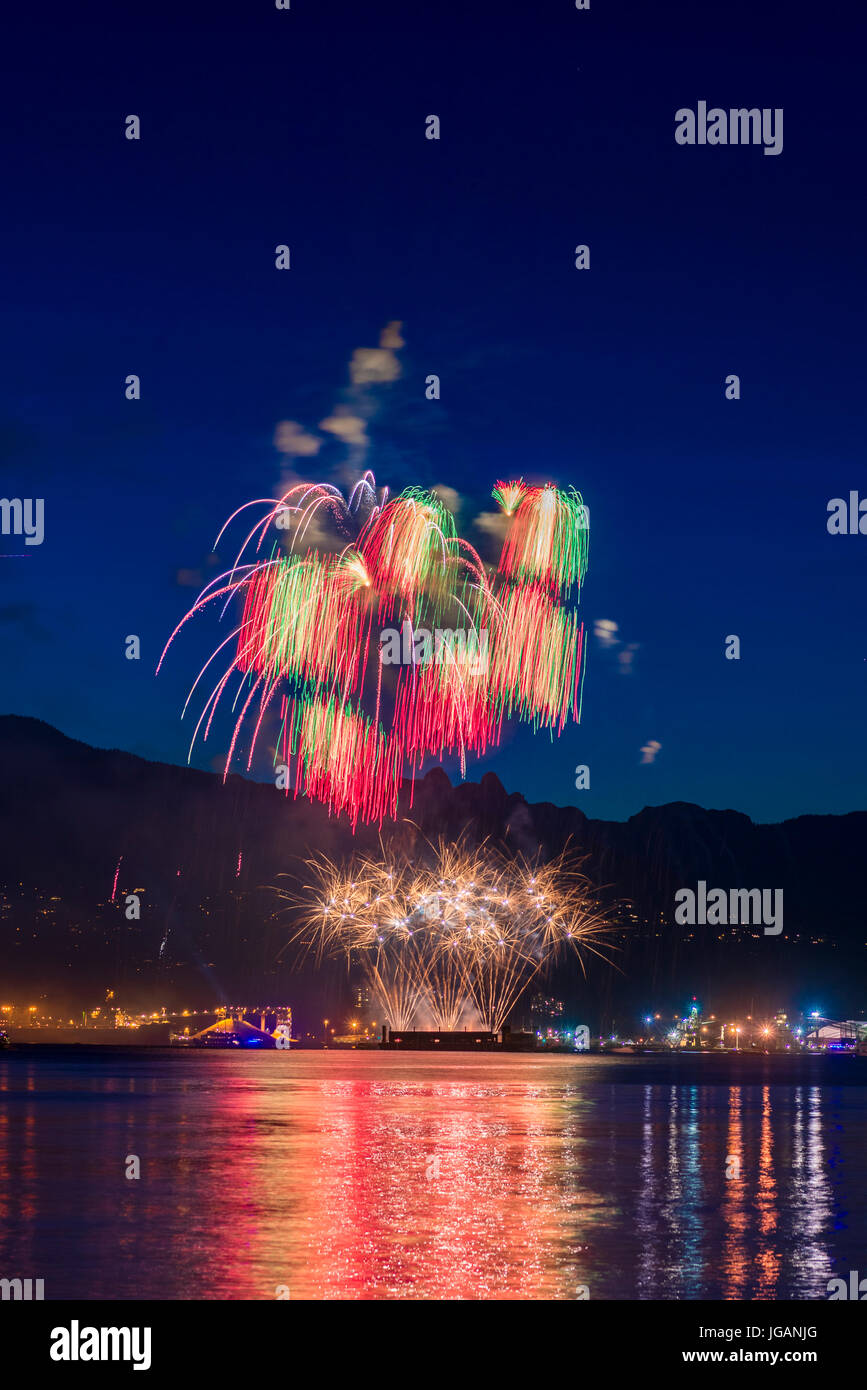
(537, 672)
(509, 495)
(334, 748)
(310, 621)
(547, 541)
(466, 929)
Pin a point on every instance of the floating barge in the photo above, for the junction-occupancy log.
(466, 1040)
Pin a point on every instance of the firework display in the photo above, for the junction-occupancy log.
(548, 538)
(476, 645)
(457, 938)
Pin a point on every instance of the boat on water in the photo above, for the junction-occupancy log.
(4, 1038)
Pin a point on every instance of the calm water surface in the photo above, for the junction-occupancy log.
(366, 1175)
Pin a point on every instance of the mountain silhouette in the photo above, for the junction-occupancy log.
(204, 859)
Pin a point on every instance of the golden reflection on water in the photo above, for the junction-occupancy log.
(736, 1208)
(363, 1175)
(769, 1256)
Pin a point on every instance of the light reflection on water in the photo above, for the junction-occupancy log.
(369, 1175)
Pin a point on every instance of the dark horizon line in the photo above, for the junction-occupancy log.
(437, 770)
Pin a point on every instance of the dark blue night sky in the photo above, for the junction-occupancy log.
(306, 127)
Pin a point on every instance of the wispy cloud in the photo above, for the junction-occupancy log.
(449, 496)
(347, 427)
(357, 404)
(606, 632)
(291, 438)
